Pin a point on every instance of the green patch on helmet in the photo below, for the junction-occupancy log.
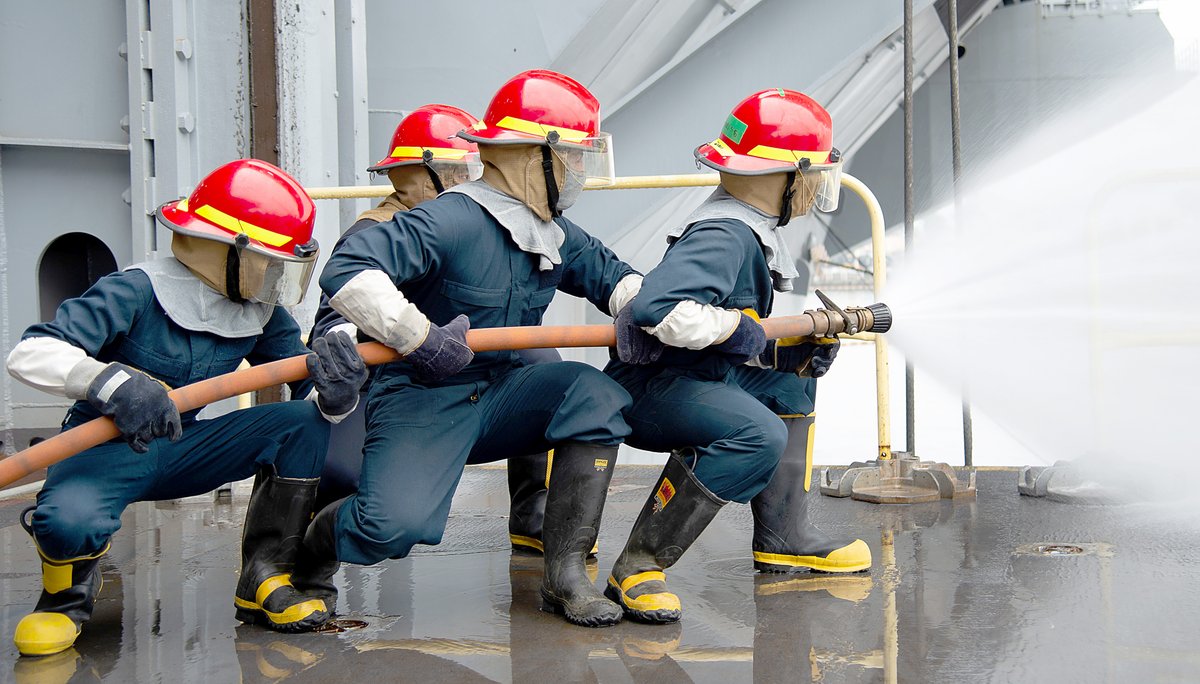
(733, 129)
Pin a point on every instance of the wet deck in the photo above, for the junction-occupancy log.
(966, 598)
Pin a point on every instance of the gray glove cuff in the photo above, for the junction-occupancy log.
(80, 377)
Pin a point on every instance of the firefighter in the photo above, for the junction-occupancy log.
(734, 410)
(425, 158)
(243, 249)
(487, 253)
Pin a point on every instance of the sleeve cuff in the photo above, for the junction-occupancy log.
(623, 293)
(371, 301)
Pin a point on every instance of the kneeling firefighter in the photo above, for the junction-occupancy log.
(487, 253)
(426, 158)
(242, 244)
(734, 410)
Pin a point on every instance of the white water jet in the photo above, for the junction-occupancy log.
(1060, 294)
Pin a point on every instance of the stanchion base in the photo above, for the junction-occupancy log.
(1065, 482)
(899, 480)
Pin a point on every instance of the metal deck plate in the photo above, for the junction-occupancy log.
(999, 588)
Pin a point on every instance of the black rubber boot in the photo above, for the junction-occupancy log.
(578, 488)
(317, 561)
(276, 518)
(784, 539)
(678, 510)
(69, 589)
(528, 477)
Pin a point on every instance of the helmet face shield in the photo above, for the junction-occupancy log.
(589, 160)
(828, 184)
(452, 173)
(269, 279)
(592, 158)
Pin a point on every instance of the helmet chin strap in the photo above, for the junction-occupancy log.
(426, 161)
(789, 191)
(548, 172)
(233, 269)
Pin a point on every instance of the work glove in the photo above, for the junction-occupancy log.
(746, 341)
(137, 403)
(635, 345)
(808, 357)
(337, 371)
(444, 351)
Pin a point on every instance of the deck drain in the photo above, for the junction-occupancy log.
(1059, 549)
(339, 626)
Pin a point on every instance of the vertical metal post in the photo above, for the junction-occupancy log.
(6, 413)
(956, 153)
(353, 151)
(264, 113)
(910, 419)
(140, 125)
(264, 93)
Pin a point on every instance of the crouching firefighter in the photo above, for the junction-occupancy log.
(243, 249)
(487, 253)
(732, 409)
(426, 158)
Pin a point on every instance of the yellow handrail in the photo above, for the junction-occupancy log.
(698, 180)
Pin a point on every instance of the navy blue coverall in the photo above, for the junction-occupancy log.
(729, 414)
(449, 256)
(119, 319)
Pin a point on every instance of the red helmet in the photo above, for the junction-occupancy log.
(535, 103)
(264, 214)
(776, 131)
(247, 197)
(429, 133)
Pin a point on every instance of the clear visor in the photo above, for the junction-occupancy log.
(273, 279)
(827, 182)
(590, 157)
(452, 173)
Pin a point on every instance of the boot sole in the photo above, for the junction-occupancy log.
(553, 605)
(259, 617)
(650, 617)
(774, 569)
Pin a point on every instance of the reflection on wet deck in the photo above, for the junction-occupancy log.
(988, 590)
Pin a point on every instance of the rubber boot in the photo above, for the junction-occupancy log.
(578, 488)
(784, 539)
(278, 513)
(678, 510)
(528, 479)
(528, 482)
(317, 561)
(69, 589)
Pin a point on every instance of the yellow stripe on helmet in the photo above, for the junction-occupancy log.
(721, 148)
(793, 156)
(512, 123)
(438, 152)
(236, 225)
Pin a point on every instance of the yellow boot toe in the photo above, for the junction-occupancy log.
(42, 634)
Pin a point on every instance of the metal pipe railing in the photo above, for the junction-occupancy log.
(910, 392)
(956, 160)
(698, 180)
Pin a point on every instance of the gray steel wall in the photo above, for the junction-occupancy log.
(78, 80)
(1018, 72)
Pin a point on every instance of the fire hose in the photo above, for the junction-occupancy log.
(875, 318)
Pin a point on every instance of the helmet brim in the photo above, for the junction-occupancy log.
(181, 221)
(494, 135)
(739, 164)
(391, 163)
